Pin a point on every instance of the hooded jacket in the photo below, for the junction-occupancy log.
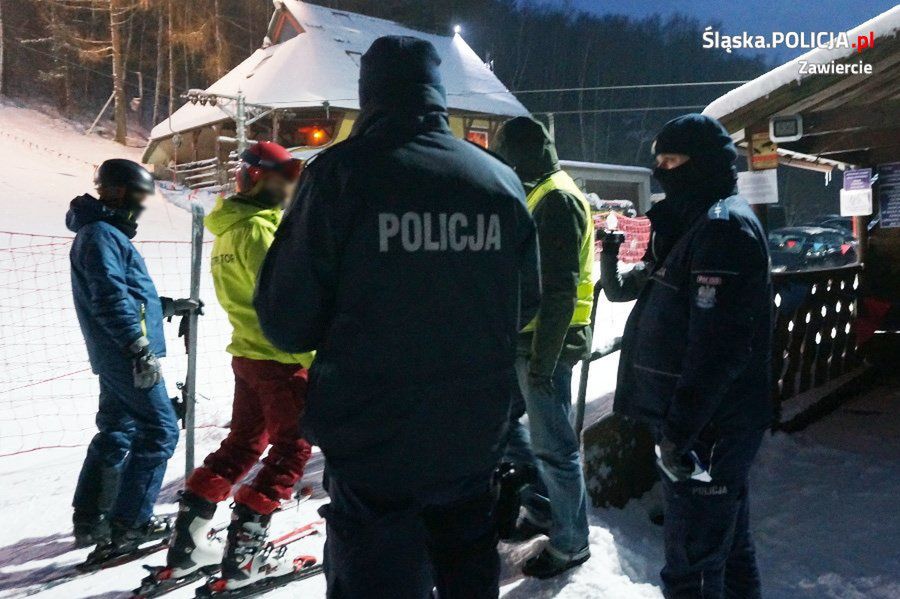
(115, 299)
(244, 233)
(696, 352)
(561, 220)
(409, 260)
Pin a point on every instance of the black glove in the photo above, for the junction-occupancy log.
(145, 366)
(677, 464)
(180, 307)
(612, 241)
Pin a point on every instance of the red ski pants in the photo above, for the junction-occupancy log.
(269, 399)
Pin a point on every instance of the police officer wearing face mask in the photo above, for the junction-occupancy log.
(696, 355)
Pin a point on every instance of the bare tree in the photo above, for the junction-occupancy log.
(157, 84)
(171, 49)
(116, 18)
(2, 45)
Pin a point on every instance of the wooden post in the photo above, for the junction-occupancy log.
(276, 124)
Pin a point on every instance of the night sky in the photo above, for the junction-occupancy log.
(753, 16)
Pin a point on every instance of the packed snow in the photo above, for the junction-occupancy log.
(824, 501)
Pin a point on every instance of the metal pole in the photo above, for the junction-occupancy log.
(551, 126)
(190, 382)
(586, 367)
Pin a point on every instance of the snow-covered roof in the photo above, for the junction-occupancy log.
(883, 26)
(322, 63)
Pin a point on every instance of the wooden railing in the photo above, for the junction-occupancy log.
(815, 342)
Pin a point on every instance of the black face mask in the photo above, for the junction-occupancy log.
(679, 180)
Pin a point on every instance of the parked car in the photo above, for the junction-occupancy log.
(831, 221)
(808, 248)
(836, 221)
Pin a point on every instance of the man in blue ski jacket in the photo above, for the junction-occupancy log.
(121, 318)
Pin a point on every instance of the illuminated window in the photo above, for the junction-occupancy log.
(306, 133)
(478, 136)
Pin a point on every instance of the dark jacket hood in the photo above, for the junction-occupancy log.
(400, 88)
(710, 173)
(525, 144)
(86, 209)
(693, 187)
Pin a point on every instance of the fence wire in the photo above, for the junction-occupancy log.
(48, 394)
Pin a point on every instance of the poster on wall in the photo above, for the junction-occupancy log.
(856, 196)
(889, 194)
(759, 187)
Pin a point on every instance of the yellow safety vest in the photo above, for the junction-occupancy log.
(562, 181)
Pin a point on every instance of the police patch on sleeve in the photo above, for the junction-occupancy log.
(707, 286)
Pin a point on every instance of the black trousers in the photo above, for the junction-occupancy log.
(709, 550)
(382, 545)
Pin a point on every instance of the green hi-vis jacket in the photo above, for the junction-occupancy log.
(244, 233)
(561, 181)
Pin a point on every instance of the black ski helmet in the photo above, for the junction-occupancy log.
(119, 172)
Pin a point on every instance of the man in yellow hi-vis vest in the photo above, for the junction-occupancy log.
(546, 453)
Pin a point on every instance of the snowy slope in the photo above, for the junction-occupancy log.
(45, 163)
(824, 501)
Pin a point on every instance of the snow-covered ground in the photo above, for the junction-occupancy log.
(824, 501)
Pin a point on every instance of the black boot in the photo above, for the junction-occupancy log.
(192, 546)
(550, 562)
(90, 529)
(125, 539)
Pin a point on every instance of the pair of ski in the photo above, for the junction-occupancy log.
(160, 580)
(71, 573)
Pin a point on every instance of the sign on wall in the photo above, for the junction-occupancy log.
(856, 196)
(759, 187)
(889, 194)
(763, 152)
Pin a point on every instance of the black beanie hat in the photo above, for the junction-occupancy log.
(702, 138)
(525, 144)
(395, 62)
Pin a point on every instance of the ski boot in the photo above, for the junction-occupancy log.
(193, 545)
(195, 550)
(90, 529)
(248, 557)
(127, 539)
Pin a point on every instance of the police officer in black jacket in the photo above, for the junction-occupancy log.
(409, 261)
(696, 356)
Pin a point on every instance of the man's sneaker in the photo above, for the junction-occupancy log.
(90, 529)
(193, 545)
(527, 529)
(550, 562)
